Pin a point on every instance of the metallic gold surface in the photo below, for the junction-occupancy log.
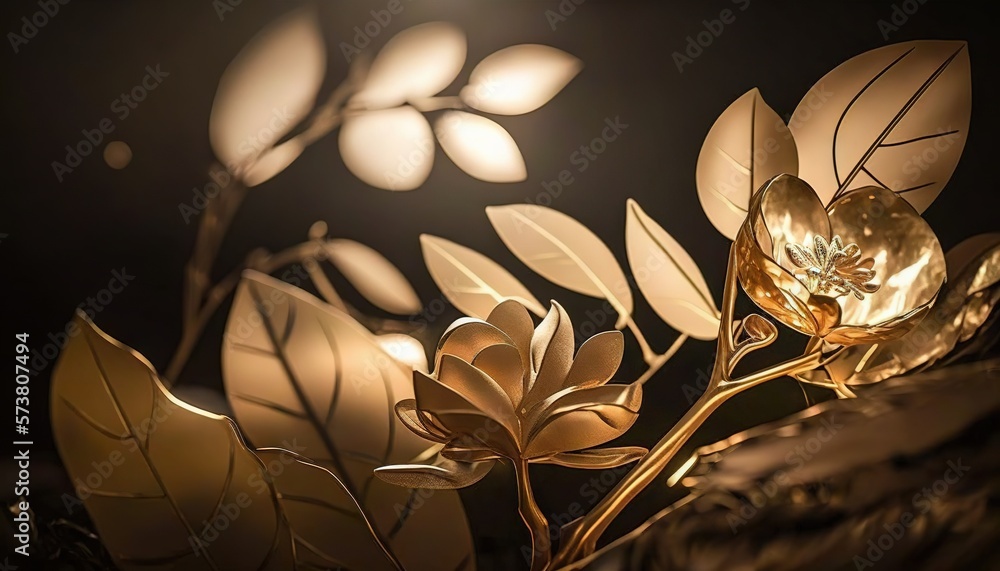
(907, 262)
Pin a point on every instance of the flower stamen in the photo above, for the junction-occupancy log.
(832, 268)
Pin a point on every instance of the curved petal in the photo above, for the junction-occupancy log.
(477, 388)
(407, 412)
(503, 364)
(441, 408)
(551, 355)
(443, 475)
(778, 292)
(597, 360)
(576, 419)
(909, 263)
(597, 457)
(513, 318)
(789, 212)
(466, 337)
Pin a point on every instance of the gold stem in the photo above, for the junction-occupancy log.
(534, 519)
(660, 360)
(648, 355)
(579, 538)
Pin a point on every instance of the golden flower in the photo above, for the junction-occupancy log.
(502, 390)
(865, 269)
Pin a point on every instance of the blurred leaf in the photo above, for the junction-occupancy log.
(299, 371)
(391, 149)
(748, 145)
(417, 62)
(480, 147)
(563, 251)
(129, 446)
(272, 162)
(268, 88)
(668, 277)
(519, 79)
(472, 282)
(404, 349)
(864, 122)
(374, 276)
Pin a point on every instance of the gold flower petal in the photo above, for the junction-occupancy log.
(597, 458)
(551, 355)
(503, 364)
(908, 261)
(789, 212)
(513, 319)
(576, 419)
(597, 360)
(466, 337)
(407, 412)
(478, 389)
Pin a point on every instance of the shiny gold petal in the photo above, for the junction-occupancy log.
(512, 318)
(444, 475)
(575, 419)
(406, 411)
(551, 355)
(466, 337)
(908, 257)
(461, 454)
(787, 211)
(596, 361)
(597, 458)
(477, 388)
(109, 404)
(502, 363)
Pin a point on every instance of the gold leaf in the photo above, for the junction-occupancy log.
(374, 276)
(392, 149)
(668, 277)
(445, 474)
(480, 147)
(298, 370)
(150, 466)
(895, 117)
(519, 79)
(417, 62)
(268, 88)
(747, 145)
(472, 282)
(564, 251)
(323, 515)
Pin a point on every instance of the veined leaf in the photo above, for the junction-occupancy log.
(564, 251)
(895, 117)
(296, 369)
(472, 282)
(166, 484)
(269, 87)
(668, 277)
(747, 145)
(374, 276)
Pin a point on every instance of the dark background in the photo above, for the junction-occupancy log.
(64, 239)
